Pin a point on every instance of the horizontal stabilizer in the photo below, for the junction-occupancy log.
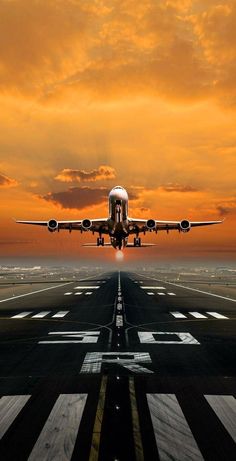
(95, 245)
(129, 245)
(143, 245)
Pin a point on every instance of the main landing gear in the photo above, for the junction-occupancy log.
(100, 241)
(137, 242)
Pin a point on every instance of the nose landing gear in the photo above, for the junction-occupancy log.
(137, 242)
(100, 241)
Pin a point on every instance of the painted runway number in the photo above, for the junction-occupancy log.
(72, 337)
(132, 361)
(166, 337)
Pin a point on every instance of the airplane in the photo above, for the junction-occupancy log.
(119, 225)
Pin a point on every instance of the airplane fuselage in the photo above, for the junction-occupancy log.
(118, 217)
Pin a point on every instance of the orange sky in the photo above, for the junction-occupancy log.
(141, 94)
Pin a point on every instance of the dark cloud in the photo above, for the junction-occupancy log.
(81, 197)
(102, 173)
(5, 181)
(78, 197)
(175, 187)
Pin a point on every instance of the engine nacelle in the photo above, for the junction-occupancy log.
(86, 224)
(52, 225)
(151, 224)
(185, 225)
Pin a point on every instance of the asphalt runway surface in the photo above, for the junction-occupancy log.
(118, 366)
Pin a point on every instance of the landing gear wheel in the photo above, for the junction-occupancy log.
(100, 241)
(137, 242)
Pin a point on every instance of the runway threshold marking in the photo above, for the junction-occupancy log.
(224, 407)
(135, 422)
(10, 407)
(58, 436)
(34, 292)
(173, 435)
(97, 428)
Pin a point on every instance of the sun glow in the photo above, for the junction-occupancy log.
(119, 256)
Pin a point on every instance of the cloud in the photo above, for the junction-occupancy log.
(78, 197)
(5, 181)
(81, 197)
(227, 207)
(175, 187)
(102, 173)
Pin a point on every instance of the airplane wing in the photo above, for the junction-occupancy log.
(94, 225)
(143, 225)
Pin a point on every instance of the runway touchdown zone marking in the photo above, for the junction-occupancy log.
(39, 315)
(198, 315)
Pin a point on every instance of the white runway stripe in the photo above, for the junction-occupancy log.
(78, 293)
(89, 287)
(60, 314)
(197, 315)
(171, 294)
(40, 315)
(225, 408)
(21, 315)
(153, 288)
(10, 407)
(178, 315)
(173, 436)
(68, 293)
(88, 293)
(161, 294)
(217, 316)
(150, 293)
(58, 437)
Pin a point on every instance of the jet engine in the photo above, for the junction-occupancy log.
(86, 224)
(151, 224)
(52, 225)
(185, 225)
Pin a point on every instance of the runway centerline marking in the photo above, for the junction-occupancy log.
(34, 292)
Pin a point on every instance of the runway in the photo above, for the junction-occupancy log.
(136, 365)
